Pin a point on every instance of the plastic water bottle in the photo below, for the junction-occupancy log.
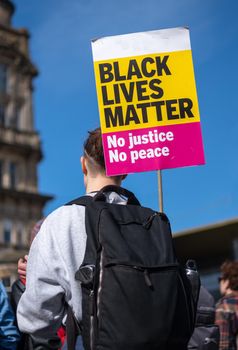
(194, 278)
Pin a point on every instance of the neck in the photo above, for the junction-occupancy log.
(231, 291)
(96, 184)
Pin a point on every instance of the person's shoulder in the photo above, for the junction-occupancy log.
(227, 302)
(219, 301)
(64, 213)
(231, 299)
(63, 222)
(60, 229)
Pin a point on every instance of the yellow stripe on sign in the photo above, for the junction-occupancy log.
(146, 91)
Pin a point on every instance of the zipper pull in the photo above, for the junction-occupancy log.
(91, 302)
(146, 224)
(147, 278)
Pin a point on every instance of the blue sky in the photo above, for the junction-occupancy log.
(66, 105)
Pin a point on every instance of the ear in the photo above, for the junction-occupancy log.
(83, 165)
(227, 284)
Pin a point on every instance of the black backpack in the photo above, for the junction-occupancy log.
(135, 295)
(206, 335)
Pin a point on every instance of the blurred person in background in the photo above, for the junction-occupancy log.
(227, 306)
(18, 288)
(206, 333)
(9, 335)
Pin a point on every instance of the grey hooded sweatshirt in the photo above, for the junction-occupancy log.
(55, 255)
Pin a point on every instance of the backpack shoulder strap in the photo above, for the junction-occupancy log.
(73, 329)
(73, 326)
(83, 200)
(100, 196)
(92, 215)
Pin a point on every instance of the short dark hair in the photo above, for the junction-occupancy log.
(93, 151)
(229, 271)
(93, 147)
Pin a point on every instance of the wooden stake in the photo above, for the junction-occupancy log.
(161, 208)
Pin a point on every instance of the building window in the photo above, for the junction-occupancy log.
(235, 248)
(15, 118)
(1, 173)
(12, 174)
(19, 239)
(7, 231)
(20, 236)
(2, 115)
(3, 78)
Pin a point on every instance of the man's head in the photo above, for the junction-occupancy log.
(229, 277)
(93, 164)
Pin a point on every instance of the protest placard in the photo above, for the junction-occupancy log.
(147, 101)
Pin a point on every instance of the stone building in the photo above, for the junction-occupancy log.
(21, 204)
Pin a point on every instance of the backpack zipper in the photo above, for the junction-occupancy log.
(147, 223)
(91, 310)
(100, 283)
(145, 270)
(92, 306)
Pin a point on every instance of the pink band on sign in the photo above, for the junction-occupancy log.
(154, 148)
